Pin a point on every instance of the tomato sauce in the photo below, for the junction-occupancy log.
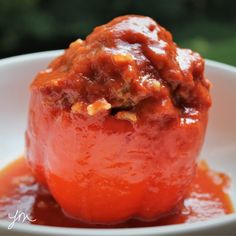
(206, 199)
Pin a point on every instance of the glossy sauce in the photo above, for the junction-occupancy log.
(206, 199)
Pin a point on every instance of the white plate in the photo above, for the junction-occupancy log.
(220, 147)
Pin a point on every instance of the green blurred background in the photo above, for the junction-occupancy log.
(207, 26)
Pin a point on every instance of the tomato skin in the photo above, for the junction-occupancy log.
(104, 170)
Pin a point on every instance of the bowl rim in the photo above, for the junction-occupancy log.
(51, 53)
(153, 230)
(223, 221)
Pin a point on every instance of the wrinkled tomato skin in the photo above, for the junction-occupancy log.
(104, 170)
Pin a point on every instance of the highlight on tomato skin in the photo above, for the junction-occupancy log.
(116, 123)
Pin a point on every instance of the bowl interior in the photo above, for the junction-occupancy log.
(220, 145)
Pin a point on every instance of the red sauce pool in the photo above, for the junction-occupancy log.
(206, 199)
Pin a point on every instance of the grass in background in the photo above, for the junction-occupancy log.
(213, 40)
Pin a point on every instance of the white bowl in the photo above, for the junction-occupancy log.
(219, 150)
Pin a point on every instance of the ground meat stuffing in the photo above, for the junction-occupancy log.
(121, 64)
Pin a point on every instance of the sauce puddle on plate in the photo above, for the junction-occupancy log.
(20, 192)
